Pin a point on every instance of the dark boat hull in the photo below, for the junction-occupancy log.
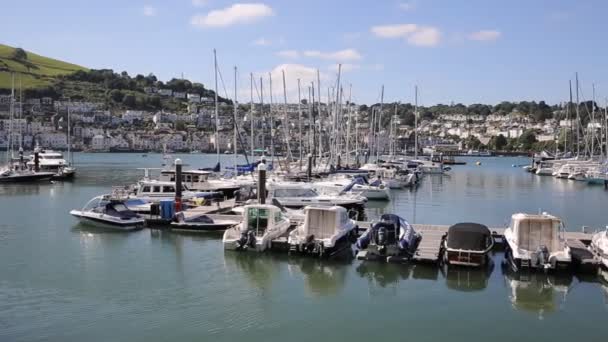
(26, 178)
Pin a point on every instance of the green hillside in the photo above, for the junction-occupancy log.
(37, 71)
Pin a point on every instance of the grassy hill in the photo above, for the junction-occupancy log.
(37, 71)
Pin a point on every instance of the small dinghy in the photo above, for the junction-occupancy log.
(391, 238)
(201, 223)
(468, 244)
(261, 224)
(106, 212)
(324, 231)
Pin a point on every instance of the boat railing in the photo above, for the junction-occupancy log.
(120, 192)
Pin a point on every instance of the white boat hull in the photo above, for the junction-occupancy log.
(107, 221)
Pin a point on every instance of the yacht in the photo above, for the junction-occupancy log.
(12, 175)
(107, 212)
(467, 244)
(52, 161)
(391, 237)
(324, 232)
(199, 180)
(298, 195)
(599, 245)
(537, 242)
(545, 169)
(563, 171)
(358, 185)
(202, 223)
(154, 190)
(261, 224)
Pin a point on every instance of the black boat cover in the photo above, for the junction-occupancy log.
(120, 210)
(469, 236)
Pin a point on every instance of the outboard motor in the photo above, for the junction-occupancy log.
(247, 240)
(309, 244)
(542, 256)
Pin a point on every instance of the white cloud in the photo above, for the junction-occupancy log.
(346, 67)
(199, 3)
(485, 35)
(407, 6)
(341, 55)
(414, 34)
(261, 42)
(235, 14)
(288, 54)
(149, 11)
(293, 72)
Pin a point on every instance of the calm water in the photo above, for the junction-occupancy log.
(62, 282)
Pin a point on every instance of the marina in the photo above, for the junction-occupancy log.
(194, 266)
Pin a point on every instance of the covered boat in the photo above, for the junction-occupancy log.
(599, 245)
(202, 222)
(261, 224)
(325, 231)
(536, 242)
(467, 244)
(106, 212)
(393, 236)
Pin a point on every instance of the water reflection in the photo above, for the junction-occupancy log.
(468, 279)
(536, 292)
(321, 277)
(259, 269)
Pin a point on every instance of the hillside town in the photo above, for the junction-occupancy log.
(95, 128)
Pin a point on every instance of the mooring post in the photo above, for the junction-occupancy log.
(178, 185)
(309, 167)
(21, 163)
(262, 183)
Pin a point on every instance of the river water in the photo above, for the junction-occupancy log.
(60, 281)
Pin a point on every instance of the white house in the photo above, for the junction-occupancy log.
(99, 143)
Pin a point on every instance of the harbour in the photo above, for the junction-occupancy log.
(184, 285)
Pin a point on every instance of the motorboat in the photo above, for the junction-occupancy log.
(390, 238)
(106, 212)
(299, 195)
(261, 223)
(432, 168)
(202, 222)
(53, 161)
(467, 244)
(324, 232)
(357, 185)
(544, 169)
(597, 177)
(563, 171)
(154, 190)
(537, 242)
(599, 246)
(578, 175)
(11, 175)
(201, 180)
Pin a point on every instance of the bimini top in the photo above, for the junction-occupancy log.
(533, 231)
(469, 236)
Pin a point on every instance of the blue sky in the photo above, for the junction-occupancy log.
(470, 51)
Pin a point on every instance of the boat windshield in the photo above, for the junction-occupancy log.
(257, 220)
(295, 193)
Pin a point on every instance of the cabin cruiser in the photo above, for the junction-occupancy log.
(599, 245)
(537, 242)
(200, 180)
(467, 244)
(107, 212)
(347, 183)
(298, 195)
(545, 169)
(202, 222)
(261, 224)
(154, 190)
(391, 237)
(563, 171)
(578, 175)
(323, 231)
(52, 161)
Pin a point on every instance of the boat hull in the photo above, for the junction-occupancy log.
(30, 178)
(99, 222)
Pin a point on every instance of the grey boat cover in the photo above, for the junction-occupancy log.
(469, 236)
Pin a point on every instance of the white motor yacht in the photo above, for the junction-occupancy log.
(599, 245)
(324, 231)
(154, 190)
(353, 184)
(537, 242)
(106, 212)
(298, 195)
(199, 180)
(545, 169)
(53, 161)
(261, 224)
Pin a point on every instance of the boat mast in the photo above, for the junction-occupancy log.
(568, 114)
(320, 117)
(236, 105)
(285, 122)
(394, 131)
(69, 133)
(592, 122)
(217, 119)
(251, 116)
(310, 136)
(271, 123)
(337, 121)
(379, 117)
(578, 128)
(9, 149)
(300, 121)
(21, 113)
(350, 107)
(262, 115)
(416, 122)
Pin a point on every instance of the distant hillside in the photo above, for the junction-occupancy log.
(42, 76)
(36, 71)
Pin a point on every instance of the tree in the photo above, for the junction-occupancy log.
(19, 54)
(527, 139)
(129, 101)
(500, 142)
(472, 142)
(117, 95)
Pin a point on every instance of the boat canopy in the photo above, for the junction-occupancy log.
(324, 222)
(469, 236)
(119, 209)
(534, 231)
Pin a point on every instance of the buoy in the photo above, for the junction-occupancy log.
(478, 163)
